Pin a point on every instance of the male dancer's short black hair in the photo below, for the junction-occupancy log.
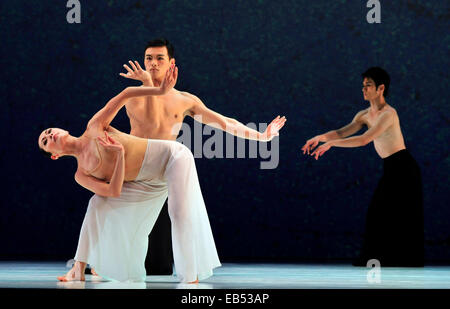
(380, 77)
(160, 42)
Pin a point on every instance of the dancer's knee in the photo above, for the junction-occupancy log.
(186, 153)
(182, 158)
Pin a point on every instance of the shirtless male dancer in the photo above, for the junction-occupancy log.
(394, 232)
(160, 117)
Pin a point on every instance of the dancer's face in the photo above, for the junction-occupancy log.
(52, 140)
(157, 61)
(370, 90)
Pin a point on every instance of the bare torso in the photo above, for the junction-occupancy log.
(158, 117)
(99, 162)
(391, 140)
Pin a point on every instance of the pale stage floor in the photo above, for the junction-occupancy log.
(42, 275)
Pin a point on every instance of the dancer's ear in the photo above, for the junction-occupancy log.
(381, 89)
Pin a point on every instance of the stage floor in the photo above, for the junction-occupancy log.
(42, 275)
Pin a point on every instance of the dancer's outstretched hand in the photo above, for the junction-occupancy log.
(321, 150)
(170, 79)
(273, 128)
(311, 144)
(137, 73)
(109, 143)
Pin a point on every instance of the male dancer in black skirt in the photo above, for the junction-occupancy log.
(394, 226)
(160, 117)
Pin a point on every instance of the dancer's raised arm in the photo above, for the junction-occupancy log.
(104, 116)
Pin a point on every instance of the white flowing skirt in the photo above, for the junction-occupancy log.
(114, 234)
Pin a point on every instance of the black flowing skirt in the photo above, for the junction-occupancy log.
(394, 232)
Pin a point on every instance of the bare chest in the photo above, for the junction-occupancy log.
(371, 119)
(155, 117)
(98, 161)
(161, 110)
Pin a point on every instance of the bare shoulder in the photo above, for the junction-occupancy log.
(389, 112)
(189, 96)
(390, 109)
(92, 128)
(360, 116)
(363, 112)
(193, 103)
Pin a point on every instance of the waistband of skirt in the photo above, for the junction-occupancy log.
(396, 155)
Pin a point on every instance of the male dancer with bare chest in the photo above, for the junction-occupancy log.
(394, 226)
(160, 117)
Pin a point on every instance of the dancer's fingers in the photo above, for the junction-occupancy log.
(128, 69)
(138, 65)
(110, 139)
(170, 76)
(168, 73)
(317, 154)
(307, 147)
(113, 141)
(176, 73)
(100, 140)
(132, 65)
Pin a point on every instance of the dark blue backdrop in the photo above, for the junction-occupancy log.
(250, 60)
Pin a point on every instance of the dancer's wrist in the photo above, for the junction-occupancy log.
(322, 138)
(147, 82)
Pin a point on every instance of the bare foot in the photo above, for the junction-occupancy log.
(93, 272)
(194, 282)
(75, 274)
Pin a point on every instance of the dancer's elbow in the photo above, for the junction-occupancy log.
(111, 191)
(364, 140)
(115, 192)
(126, 93)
